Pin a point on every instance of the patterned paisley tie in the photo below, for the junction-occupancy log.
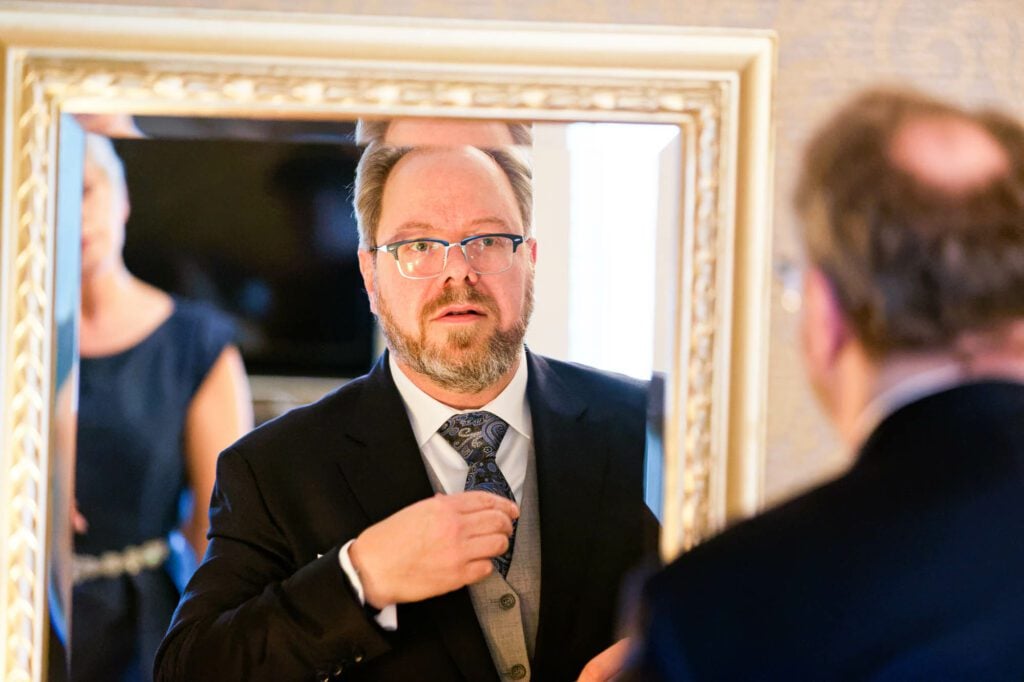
(476, 436)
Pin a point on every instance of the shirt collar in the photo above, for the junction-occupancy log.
(426, 414)
(902, 393)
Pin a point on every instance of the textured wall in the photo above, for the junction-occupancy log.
(971, 51)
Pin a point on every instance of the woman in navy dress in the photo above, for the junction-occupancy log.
(162, 392)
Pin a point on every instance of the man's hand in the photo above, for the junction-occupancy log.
(607, 664)
(432, 547)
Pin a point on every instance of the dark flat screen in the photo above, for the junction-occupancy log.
(265, 232)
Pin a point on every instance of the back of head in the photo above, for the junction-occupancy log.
(914, 211)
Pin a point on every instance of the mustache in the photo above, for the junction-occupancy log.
(461, 296)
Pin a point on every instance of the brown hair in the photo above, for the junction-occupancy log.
(373, 130)
(913, 266)
(378, 161)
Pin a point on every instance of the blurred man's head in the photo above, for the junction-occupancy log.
(913, 215)
(457, 318)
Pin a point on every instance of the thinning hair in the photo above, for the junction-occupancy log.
(374, 130)
(379, 160)
(913, 265)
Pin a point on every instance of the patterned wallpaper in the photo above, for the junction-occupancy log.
(969, 50)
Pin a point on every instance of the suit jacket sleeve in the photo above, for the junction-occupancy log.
(253, 612)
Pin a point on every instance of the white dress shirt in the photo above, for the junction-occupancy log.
(426, 415)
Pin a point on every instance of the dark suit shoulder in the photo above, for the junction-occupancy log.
(610, 390)
(920, 531)
(765, 538)
(308, 424)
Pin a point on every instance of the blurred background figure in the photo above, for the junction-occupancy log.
(162, 391)
(908, 566)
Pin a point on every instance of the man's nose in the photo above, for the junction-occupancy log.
(458, 267)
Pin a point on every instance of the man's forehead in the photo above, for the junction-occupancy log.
(443, 158)
(432, 185)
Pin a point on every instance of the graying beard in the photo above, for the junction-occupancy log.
(471, 375)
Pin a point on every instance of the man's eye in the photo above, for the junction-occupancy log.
(488, 241)
(418, 247)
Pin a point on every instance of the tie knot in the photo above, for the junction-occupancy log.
(474, 435)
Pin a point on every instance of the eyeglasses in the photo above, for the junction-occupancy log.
(486, 254)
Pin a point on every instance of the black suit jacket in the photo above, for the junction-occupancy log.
(909, 567)
(263, 606)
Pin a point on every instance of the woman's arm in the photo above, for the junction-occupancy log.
(219, 414)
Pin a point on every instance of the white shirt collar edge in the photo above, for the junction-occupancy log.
(426, 414)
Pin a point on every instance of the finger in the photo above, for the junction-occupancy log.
(475, 500)
(608, 663)
(477, 570)
(485, 546)
(486, 522)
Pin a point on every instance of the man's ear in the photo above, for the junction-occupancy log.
(825, 329)
(366, 269)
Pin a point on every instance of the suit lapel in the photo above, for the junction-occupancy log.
(385, 473)
(570, 463)
(385, 470)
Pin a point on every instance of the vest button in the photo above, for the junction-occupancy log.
(506, 602)
(517, 672)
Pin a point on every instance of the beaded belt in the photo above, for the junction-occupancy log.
(131, 560)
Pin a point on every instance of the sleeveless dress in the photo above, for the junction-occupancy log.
(129, 480)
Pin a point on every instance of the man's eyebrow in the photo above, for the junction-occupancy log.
(416, 228)
(411, 228)
(489, 220)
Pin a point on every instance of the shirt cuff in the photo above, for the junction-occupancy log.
(388, 616)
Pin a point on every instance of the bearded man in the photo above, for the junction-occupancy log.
(465, 511)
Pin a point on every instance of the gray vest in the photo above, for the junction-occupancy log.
(508, 608)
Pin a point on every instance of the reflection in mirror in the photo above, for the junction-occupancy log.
(162, 390)
(250, 222)
(619, 189)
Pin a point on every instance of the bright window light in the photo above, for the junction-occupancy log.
(613, 231)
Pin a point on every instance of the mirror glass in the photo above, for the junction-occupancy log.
(252, 219)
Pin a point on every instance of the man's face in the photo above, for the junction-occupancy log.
(462, 330)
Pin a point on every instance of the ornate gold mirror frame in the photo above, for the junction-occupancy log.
(715, 85)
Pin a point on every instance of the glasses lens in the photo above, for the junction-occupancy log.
(490, 254)
(420, 259)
